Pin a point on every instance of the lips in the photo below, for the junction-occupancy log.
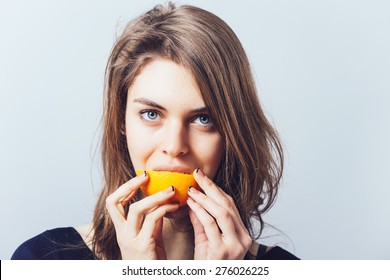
(174, 168)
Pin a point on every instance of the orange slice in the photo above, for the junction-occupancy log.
(161, 180)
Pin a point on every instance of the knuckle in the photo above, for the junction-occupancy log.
(228, 201)
(109, 200)
(224, 214)
(209, 221)
(248, 242)
(209, 182)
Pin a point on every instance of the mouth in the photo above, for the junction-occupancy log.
(174, 168)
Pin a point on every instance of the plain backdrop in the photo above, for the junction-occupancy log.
(323, 74)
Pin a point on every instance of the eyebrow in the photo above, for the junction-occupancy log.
(155, 105)
(149, 103)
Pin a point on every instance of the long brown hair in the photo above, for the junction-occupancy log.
(252, 166)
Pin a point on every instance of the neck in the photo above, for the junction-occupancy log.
(178, 237)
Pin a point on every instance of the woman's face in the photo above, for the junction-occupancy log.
(168, 126)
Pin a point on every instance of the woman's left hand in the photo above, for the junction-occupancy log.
(218, 228)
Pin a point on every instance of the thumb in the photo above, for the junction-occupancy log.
(199, 233)
(158, 232)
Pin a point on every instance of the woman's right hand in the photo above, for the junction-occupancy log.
(139, 233)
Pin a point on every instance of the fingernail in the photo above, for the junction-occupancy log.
(192, 189)
(200, 172)
(169, 189)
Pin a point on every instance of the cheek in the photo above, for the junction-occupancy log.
(137, 144)
(210, 154)
(134, 151)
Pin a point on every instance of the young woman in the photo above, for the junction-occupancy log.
(179, 96)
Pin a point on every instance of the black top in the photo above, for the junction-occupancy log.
(67, 244)
(56, 244)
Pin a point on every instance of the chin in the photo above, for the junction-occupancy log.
(178, 214)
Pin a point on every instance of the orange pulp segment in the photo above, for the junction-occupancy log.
(161, 180)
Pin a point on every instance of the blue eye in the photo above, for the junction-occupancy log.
(149, 115)
(203, 120)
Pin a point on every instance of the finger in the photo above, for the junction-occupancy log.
(219, 196)
(158, 232)
(124, 192)
(209, 224)
(215, 192)
(130, 195)
(222, 216)
(137, 210)
(199, 233)
(151, 219)
(205, 183)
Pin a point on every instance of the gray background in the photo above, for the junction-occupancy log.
(323, 72)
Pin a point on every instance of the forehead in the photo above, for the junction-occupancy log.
(164, 81)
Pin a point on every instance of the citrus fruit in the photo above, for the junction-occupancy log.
(161, 180)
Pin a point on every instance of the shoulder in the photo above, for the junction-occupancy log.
(263, 252)
(277, 253)
(54, 244)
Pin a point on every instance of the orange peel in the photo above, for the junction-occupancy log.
(161, 180)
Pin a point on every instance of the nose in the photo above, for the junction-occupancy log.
(175, 140)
